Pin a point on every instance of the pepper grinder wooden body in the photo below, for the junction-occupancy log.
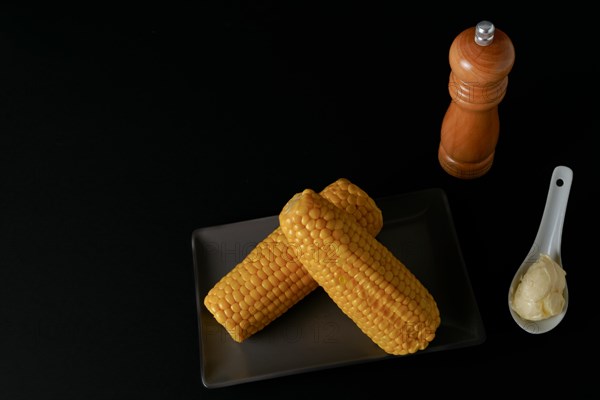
(481, 58)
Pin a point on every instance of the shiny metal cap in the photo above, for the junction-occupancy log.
(484, 33)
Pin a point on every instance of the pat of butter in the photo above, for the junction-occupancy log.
(540, 292)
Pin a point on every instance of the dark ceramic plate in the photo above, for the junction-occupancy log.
(315, 334)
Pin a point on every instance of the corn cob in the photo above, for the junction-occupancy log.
(369, 284)
(270, 279)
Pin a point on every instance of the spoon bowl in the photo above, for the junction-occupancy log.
(547, 241)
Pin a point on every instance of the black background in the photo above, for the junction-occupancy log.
(122, 131)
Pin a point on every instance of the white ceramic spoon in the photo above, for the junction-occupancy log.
(547, 241)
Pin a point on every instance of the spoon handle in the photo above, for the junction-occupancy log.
(548, 238)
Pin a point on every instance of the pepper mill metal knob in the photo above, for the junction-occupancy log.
(481, 57)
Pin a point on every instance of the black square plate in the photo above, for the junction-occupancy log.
(314, 334)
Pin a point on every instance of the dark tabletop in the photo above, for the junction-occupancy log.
(123, 132)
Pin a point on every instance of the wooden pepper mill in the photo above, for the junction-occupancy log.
(481, 58)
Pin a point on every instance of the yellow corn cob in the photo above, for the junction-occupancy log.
(367, 282)
(270, 279)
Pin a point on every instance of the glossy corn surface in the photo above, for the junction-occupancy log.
(270, 279)
(369, 284)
